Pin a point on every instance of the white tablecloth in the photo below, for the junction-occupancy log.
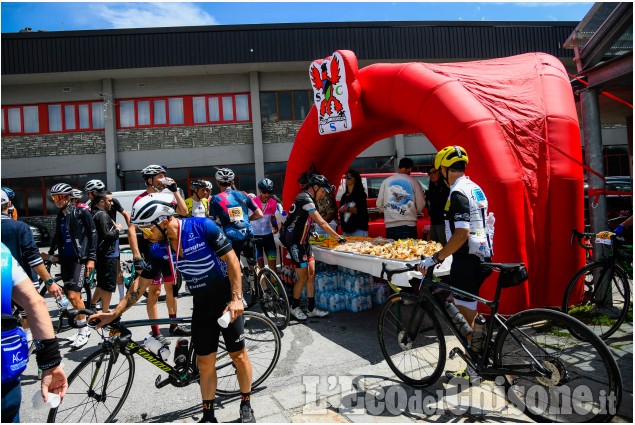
(372, 265)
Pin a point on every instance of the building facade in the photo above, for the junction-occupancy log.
(80, 105)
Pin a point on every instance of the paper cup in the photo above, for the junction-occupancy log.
(39, 403)
(223, 321)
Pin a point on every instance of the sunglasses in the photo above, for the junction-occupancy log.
(349, 177)
(433, 172)
(59, 197)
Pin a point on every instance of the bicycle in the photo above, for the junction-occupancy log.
(99, 385)
(599, 293)
(534, 350)
(270, 293)
(128, 274)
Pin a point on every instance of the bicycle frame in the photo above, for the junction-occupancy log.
(480, 364)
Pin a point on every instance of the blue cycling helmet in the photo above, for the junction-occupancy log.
(9, 192)
(265, 185)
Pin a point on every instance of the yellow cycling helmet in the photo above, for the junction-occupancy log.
(449, 155)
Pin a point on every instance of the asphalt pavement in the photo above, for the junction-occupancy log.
(330, 370)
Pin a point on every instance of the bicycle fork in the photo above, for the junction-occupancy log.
(101, 398)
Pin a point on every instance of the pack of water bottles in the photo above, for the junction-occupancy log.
(340, 288)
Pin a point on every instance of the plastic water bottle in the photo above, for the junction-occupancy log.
(347, 215)
(489, 225)
(62, 302)
(479, 333)
(458, 319)
(155, 346)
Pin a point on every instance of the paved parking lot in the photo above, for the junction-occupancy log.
(330, 370)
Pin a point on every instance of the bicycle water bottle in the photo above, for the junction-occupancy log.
(180, 353)
(489, 225)
(478, 336)
(458, 319)
(155, 346)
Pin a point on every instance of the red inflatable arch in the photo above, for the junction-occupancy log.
(514, 116)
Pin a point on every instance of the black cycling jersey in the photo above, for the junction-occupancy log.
(295, 229)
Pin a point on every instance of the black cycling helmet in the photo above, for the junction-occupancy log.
(321, 181)
(225, 176)
(151, 171)
(265, 185)
(9, 192)
(198, 184)
(62, 189)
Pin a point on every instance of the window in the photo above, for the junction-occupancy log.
(126, 113)
(228, 109)
(291, 105)
(214, 109)
(176, 110)
(225, 108)
(198, 104)
(160, 116)
(62, 117)
(143, 113)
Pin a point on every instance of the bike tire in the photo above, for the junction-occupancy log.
(604, 320)
(262, 341)
(274, 302)
(80, 404)
(577, 359)
(420, 361)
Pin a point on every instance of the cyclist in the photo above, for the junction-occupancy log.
(212, 272)
(198, 203)
(91, 189)
(232, 208)
(17, 236)
(76, 241)
(17, 286)
(465, 215)
(156, 181)
(13, 212)
(76, 197)
(294, 235)
(265, 227)
(108, 234)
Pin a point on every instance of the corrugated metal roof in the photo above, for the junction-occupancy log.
(74, 51)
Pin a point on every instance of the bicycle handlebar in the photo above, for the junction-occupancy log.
(580, 236)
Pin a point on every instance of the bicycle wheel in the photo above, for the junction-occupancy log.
(599, 296)
(274, 302)
(97, 389)
(584, 384)
(262, 342)
(411, 340)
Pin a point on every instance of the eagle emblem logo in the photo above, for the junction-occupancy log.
(328, 78)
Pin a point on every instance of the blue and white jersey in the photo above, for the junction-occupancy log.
(12, 274)
(202, 243)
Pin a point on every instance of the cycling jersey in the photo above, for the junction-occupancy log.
(295, 229)
(263, 226)
(466, 208)
(202, 244)
(197, 208)
(232, 208)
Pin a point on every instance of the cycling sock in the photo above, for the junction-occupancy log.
(155, 330)
(121, 291)
(295, 303)
(173, 325)
(311, 303)
(208, 409)
(245, 399)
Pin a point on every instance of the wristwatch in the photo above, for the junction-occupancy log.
(435, 258)
(48, 282)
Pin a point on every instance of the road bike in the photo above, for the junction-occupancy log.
(599, 293)
(544, 356)
(128, 274)
(269, 293)
(99, 385)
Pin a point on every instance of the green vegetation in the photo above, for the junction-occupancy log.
(588, 315)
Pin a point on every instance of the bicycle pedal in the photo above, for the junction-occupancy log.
(454, 352)
(159, 383)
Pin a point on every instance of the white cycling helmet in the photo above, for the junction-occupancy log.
(61, 189)
(94, 185)
(209, 185)
(153, 207)
(225, 176)
(76, 194)
(152, 170)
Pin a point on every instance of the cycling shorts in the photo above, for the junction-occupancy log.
(107, 274)
(205, 328)
(267, 244)
(301, 254)
(166, 274)
(73, 274)
(244, 247)
(467, 274)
